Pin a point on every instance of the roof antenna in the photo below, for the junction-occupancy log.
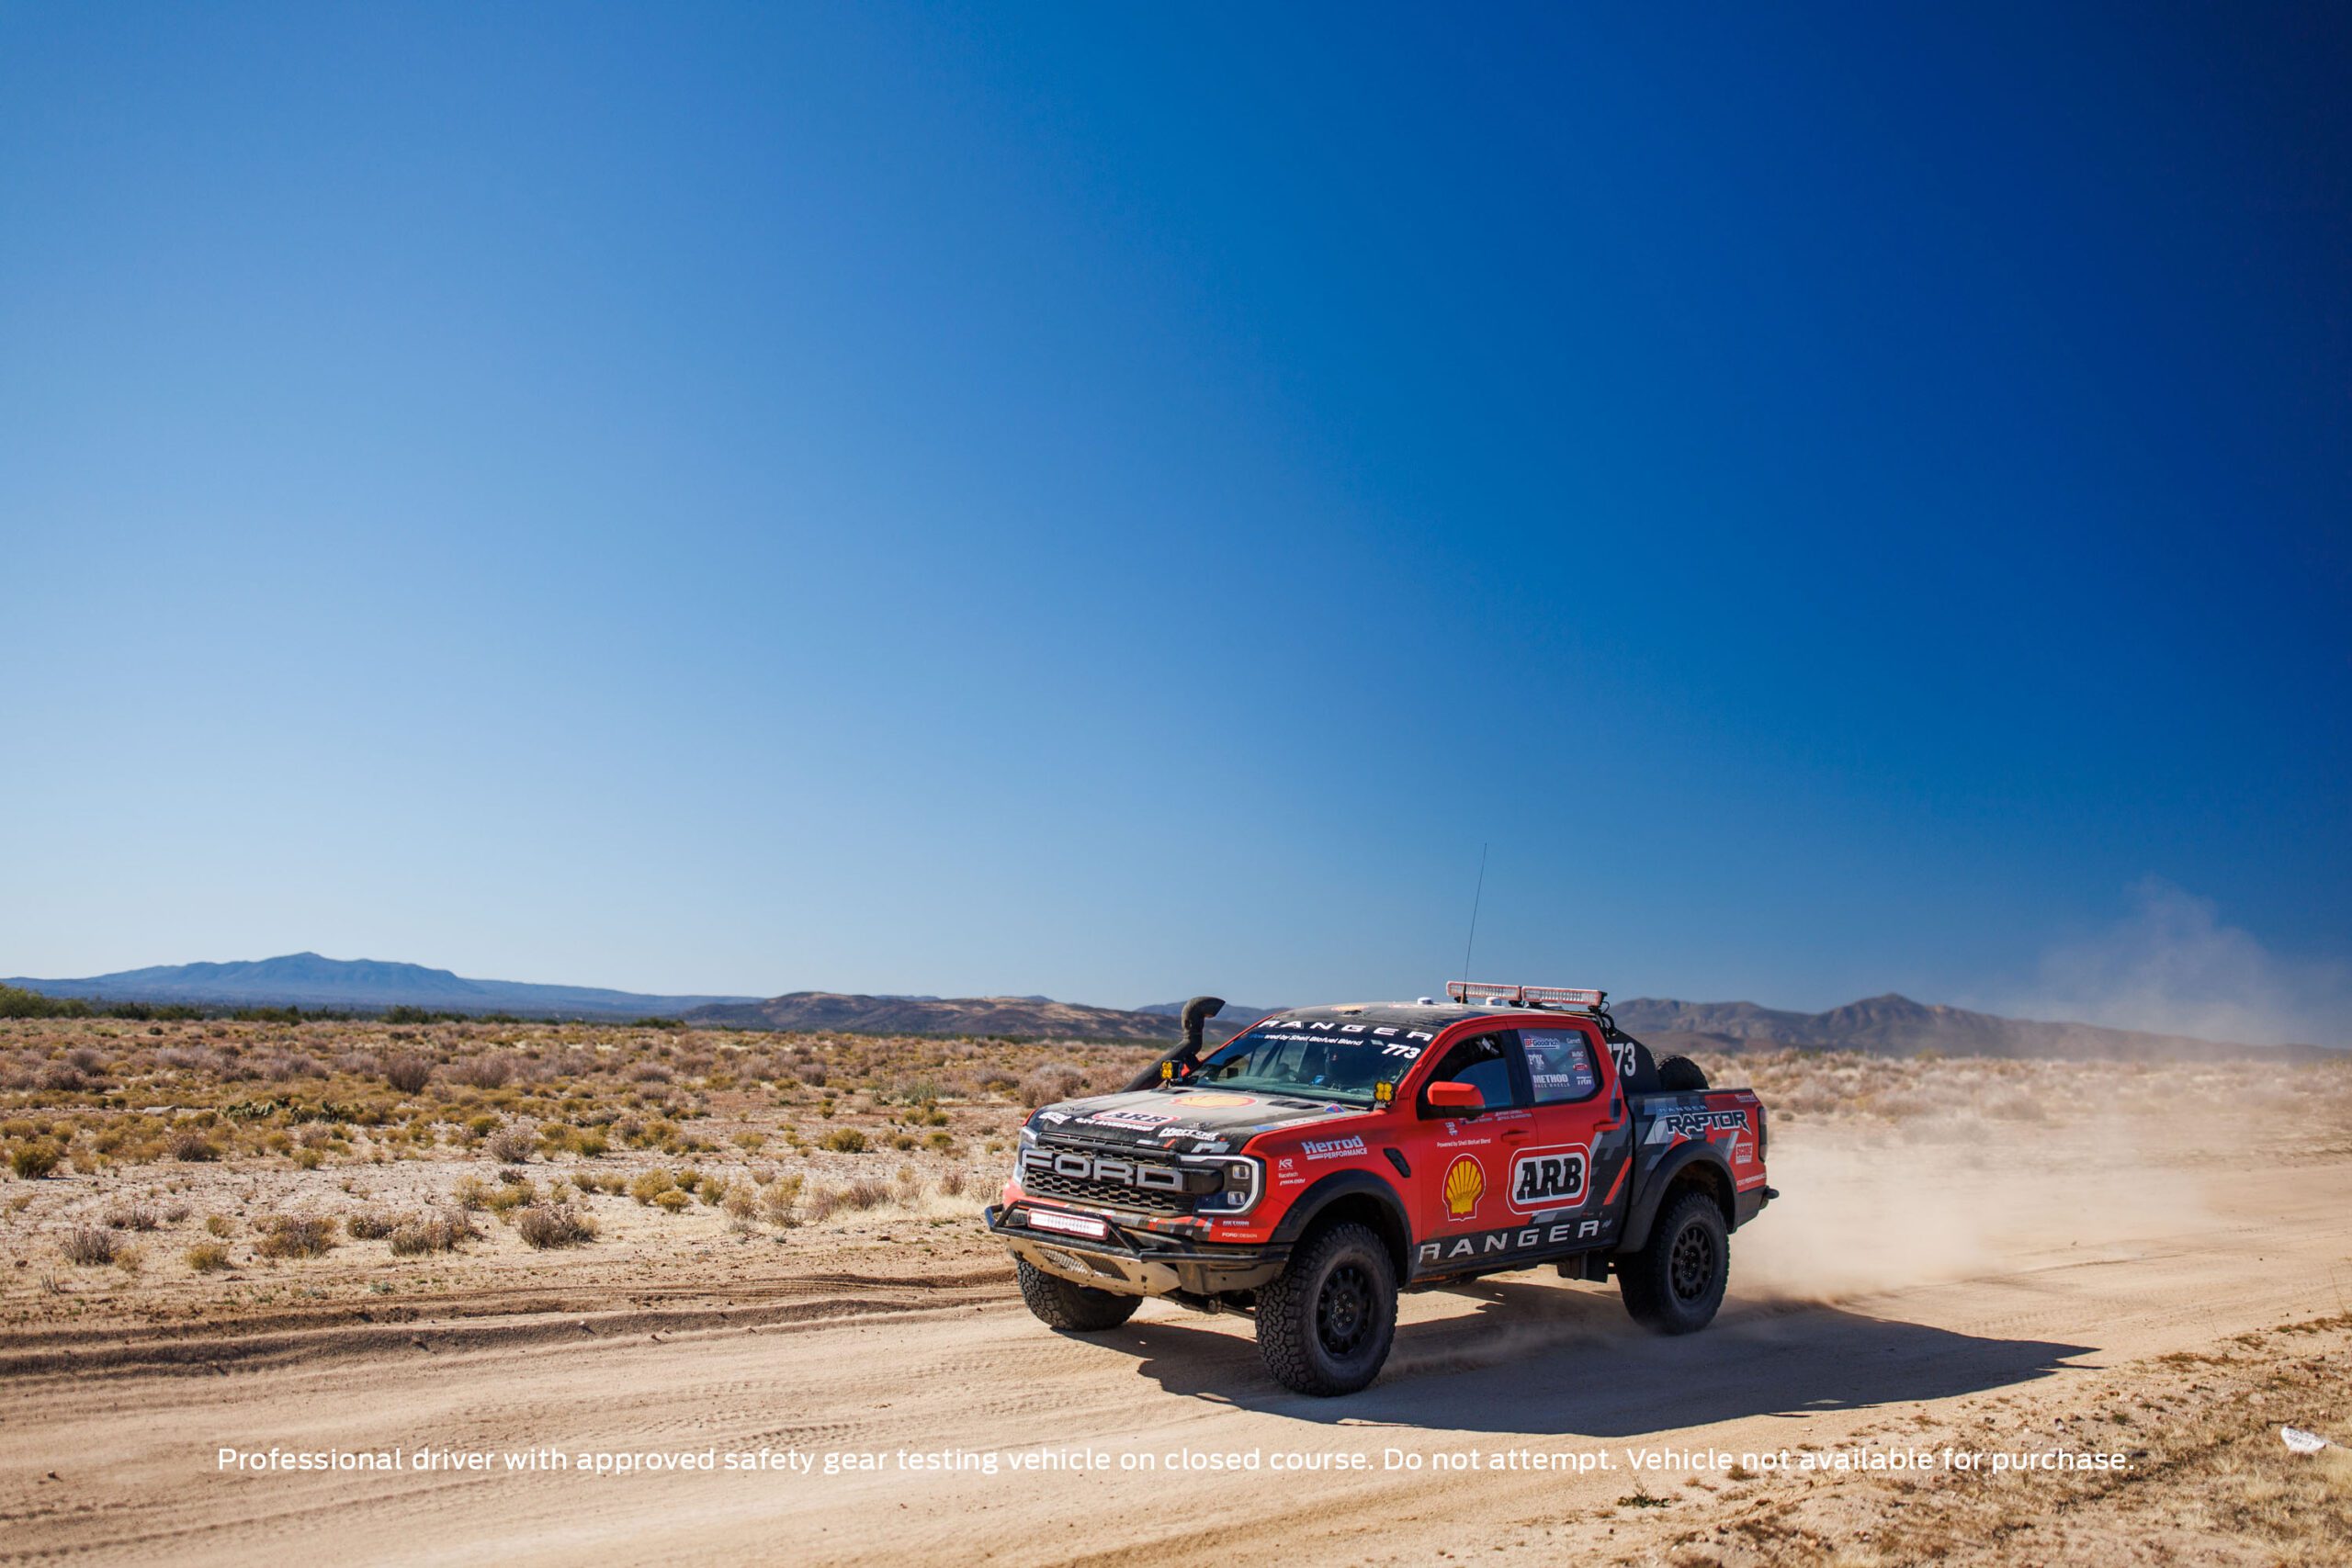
(1471, 940)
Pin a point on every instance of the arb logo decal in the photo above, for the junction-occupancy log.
(1465, 1183)
(1548, 1179)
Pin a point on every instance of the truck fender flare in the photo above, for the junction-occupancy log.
(1310, 1203)
(1655, 1187)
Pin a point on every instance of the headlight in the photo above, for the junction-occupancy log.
(1244, 1180)
(1028, 1136)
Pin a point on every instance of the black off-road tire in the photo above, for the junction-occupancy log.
(1675, 1282)
(1327, 1322)
(1676, 1073)
(1059, 1304)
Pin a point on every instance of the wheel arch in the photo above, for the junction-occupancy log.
(1697, 1164)
(1356, 1196)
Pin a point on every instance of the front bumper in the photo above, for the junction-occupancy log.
(1132, 1262)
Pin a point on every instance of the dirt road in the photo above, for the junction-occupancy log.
(111, 1442)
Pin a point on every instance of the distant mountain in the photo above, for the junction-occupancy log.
(365, 984)
(817, 1011)
(1893, 1025)
(1888, 1025)
(1233, 1016)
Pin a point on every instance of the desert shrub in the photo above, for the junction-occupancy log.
(671, 1201)
(554, 1224)
(865, 1192)
(489, 1070)
(408, 1073)
(742, 1201)
(33, 1161)
(589, 1143)
(711, 1189)
(843, 1141)
(373, 1225)
(206, 1257)
(507, 1197)
(191, 1146)
(951, 1184)
(650, 1185)
(1049, 1084)
(471, 1193)
(434, 1233)
(820, 1203)
(88, 1246)
(296, 1235)
(220, 1225)
(512, 1144)
(132, 1217)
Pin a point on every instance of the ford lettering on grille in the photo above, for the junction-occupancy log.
(1105, 1167)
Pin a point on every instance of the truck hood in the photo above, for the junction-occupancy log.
(1182, 1122)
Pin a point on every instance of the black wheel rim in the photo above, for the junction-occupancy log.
(1693, 1264)
(1343, 1310)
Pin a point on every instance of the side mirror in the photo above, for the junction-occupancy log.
(1454, 1100)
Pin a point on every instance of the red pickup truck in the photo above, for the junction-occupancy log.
(1324, 1158)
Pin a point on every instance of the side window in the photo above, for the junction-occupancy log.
(1484, 1062)
(1560, 1065)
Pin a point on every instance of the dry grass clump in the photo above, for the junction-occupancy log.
(408, 1073)
(489, 1070)
(512, 1144)
(370, 1226)
(843, 1141)
(31, 1162)
(208, 1256)
(133, 1217)
(296, 1235)
(191, 1146)
(442, 1232)
(544, 1225)
(88, 1247)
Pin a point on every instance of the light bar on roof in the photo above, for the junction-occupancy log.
(1526, 996)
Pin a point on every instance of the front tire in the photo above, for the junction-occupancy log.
(1675, 1282)
(1326, 1323)
(1060, 1304)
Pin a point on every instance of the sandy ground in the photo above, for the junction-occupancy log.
(2033, 1294)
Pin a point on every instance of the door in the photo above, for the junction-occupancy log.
(1466, 1160)
(1568, 1170)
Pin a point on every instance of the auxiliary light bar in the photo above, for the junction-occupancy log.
(1525, 996)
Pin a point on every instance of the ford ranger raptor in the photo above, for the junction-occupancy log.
(1324, 1158)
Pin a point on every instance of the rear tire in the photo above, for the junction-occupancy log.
(1327, 1322)
(1059, 1304)
(1675, 1282)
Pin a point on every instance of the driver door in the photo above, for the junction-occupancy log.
(1462, 1186)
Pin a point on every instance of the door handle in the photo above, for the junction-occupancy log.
(1511, 1132)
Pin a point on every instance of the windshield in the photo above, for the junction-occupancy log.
(1319, 1062)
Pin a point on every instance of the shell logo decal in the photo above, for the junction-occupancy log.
(1465, 1183)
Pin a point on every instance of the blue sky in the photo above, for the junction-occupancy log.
(1116, 502)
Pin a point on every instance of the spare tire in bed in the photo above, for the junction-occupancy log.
(1679, 1073)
